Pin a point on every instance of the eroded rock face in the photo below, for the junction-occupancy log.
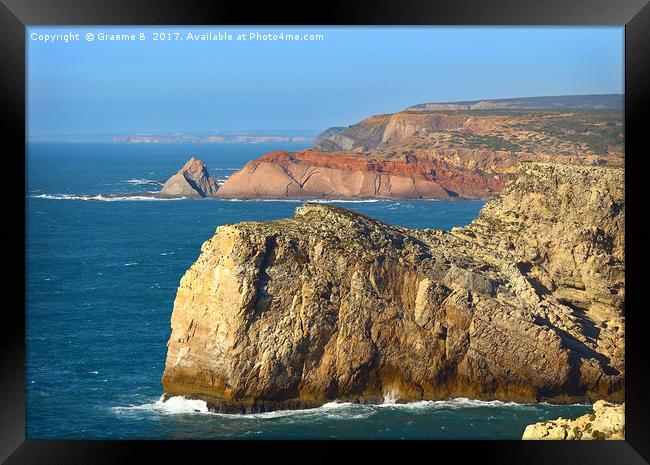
(430, 155)
(192, 180)
(312, 174)
(606, 422)
(524, 304)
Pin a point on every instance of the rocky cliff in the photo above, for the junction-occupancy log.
(606, 422)
(524, 304)
(192, 180)
(311, 174)
(594, 101)
(431, 154)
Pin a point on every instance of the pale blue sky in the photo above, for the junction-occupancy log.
(179, 86)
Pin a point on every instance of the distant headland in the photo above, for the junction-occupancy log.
(252, 137)
(458, 150)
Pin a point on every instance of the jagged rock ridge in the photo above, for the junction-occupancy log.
(524, 304)
(192, 180)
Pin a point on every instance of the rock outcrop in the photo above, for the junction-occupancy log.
(606, 422)
(192, 180)
(524, 304)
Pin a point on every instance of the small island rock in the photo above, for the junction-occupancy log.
(192, 180)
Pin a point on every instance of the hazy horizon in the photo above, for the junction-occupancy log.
(104, 88)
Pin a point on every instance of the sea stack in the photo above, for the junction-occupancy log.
(192, 180)
(525, 304)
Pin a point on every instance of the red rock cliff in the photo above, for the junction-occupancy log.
(430, 155)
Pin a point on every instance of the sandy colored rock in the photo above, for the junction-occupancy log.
(606, 422)
(524, 304)
(192, 180)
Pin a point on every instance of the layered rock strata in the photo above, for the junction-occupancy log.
(524, 304)
(311, 174)
(431, 155)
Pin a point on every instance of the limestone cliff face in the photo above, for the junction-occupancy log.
(524, 304)
(606, 422)
(566, 227)
(192, 180)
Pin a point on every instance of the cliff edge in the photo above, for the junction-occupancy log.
(524, 304)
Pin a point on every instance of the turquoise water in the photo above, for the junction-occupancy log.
(101, 281)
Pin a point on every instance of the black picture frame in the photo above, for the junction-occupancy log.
(15, 15)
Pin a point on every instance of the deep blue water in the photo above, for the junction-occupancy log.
(101, 281)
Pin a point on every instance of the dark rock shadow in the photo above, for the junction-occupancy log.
(578, 350)
(589, 328)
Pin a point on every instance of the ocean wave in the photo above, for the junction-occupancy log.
(182, 405)
(332, 410)
(308, 200)
(457, 403)
(135, 197)
(142, 182)
(102, 198)
(350, 201)
(172, 406)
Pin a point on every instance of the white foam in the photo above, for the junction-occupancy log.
(349, 201)
(457, 403)
(142, 182)
(102, 198)
(334, 410)
(309, 200)
(390, 397)
(172, 406)
(130, 263)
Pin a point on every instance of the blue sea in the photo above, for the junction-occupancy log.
(101, 279)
